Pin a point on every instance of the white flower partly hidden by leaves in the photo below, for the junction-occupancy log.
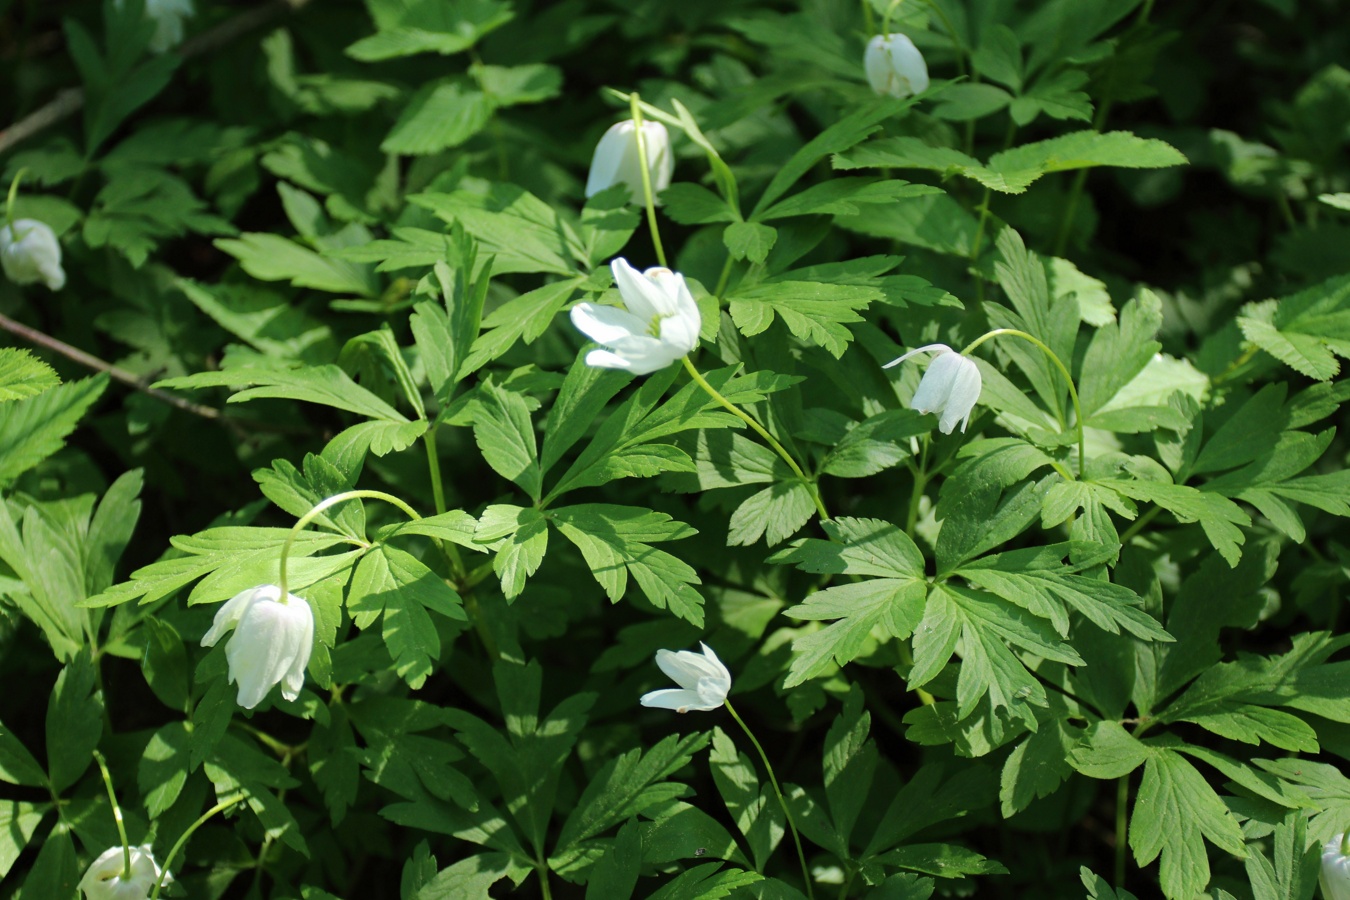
(949, 388)
(30, 252)
(658, 324)
(271, 643)
(703, 681)
(617, 161)
(1335, 877)
(169, 16)
(895, 66)
(107, 877)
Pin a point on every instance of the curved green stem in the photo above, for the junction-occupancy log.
(778, 791)
(1345, 843)
(635, 104)
(173, 852)
(1054, 358)
(117, 810)
(869, 23)
(762, 432)
(13, 195)
(723, 278)
(886, 19)
(318, 508)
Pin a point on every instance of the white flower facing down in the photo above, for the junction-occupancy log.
(659, 324)
(949, 388)
(168, 16)
(1335, 877)
(106, 878)
(703, 681)
(895, 66)
(30, 252)
(617, 161)
(271, 643)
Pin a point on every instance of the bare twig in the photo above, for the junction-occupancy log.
(69, 101)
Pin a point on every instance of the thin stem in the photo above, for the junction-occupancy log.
(869, 23)
(1345, 843)
(635, 104)
(173, 852)
(920, 482)
(761, 431)
(13, 195)
(1068, 378)
(117, 814)
(886, 19)
(450, 551)
(319, 508)
(1139, 524)
(1122, 827)
(723, 278)
(542, 869)
(778, 791)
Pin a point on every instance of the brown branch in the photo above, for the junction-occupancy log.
(70, 100)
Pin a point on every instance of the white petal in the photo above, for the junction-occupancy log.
(608, 160)
(606, 324)
(935, 387)
(676, 699)
(682, 667)
(643, 297)
(926, 348)
(965, 391)
(230, 612)
(267, 644)
(660, 161)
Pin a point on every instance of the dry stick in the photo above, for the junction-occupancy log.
(69, 101)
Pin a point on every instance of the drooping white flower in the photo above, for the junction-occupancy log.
(107, 878)
(895, 66)
(1335, 876)
(271, 643)
(30, 252)
(617, 161)
(703, 681)
(169, 16)
(659, 324)
(949, 388)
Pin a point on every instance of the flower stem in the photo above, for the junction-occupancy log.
(869, 23)
(117, 810)
(178, 845)
(319, 507)
(13, 195)
(1054, 358)
(1122, 827)
(762, 432)
(1345, 843)
(778, 791)
(451, 552)
(635, 104)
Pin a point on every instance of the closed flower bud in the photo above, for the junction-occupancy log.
(659, 323)
(949, 388)
(895, 66)
(108, 878)
(271, 643)
(617, 161)
(30, 252)
(1335, 877)
(169, 16)
(703, 681)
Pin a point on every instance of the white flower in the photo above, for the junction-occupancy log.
(616, 159)
(1335, 877)
(169, 16)
(703, 681)
(30, 252)
(105, 878)
(949, 388)
(271, 643)
(659, 325)
(895, 66)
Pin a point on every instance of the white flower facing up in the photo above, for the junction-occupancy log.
(30, 252)
(107, 877)
(168, 16)
(659, 323)
(949, 388)
(617, 161)
(271, 643)
(895, 66)
(703, 681)
(1335, 877)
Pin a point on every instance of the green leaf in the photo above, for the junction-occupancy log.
(1116, 354)
(693, 204)
(1294, 874)
(18, 821)
(616, 542)
(1174, 812)
(55, 871)
(440, 115)
(749, 240)
(165, 665)
(33, 429)
(753, 808)
(271, 257)
(1305, 331)
(17, 765)
(516, 228)
(505, 435)
(164, 767)
(1218, 516)
(325, 385)
(776, 513)
(527, 316)
(430, 26)
(269, 321)
(1036, 767)
(844, 197)
(706, 882)
(891, 606)
(23, 375)
(520, 538)
(607, 222)
(397, 584)
(812, 311)
(1107, 751)
(616, 873)
(857, 547)
(1100, 889)
(74, 722)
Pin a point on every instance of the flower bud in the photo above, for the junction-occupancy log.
(108, 878)
(271, 643)
(950, 387)
(1335, 877)
(704, 681)
(617, 161)
(169, 16)
(659, 323)
(895, 66)
(30, 252)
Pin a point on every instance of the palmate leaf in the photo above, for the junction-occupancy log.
(812, 311)
(34, 428)
(521, 232)
(1305, 331)
(1218, 516)
(23, 375)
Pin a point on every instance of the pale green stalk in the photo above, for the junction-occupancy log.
(173, 852)
(13, 195)
(635, 104)
(778, 791)
(1073, 392)
(117, 810)
(759, 429)
(325, 504)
